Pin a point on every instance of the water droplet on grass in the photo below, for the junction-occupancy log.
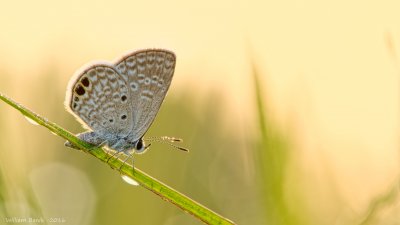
(129, 180)
(31, 121)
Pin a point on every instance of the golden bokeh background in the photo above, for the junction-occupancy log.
(328, 88)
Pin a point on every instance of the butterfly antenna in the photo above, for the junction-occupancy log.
(169, 141)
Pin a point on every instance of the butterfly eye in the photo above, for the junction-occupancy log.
(123, 117)
(139, 145)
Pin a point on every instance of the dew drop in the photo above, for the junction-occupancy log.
(129, 180)
(31, 121)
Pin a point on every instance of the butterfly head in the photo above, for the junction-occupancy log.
(140, 147)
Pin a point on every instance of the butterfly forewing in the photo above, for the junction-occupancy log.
(148, 75)
(100, 97)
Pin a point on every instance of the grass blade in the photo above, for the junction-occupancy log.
(167, 193)
(273, 148)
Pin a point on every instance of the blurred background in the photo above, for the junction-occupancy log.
(290, 110)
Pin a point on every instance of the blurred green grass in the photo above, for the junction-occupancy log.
(271, 157)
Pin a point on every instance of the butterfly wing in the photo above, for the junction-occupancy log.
(100, 98)
(148, 74)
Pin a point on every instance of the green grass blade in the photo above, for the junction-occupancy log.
(380, 203)
(167, 193)
(272, 156)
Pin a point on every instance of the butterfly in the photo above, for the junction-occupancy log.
(118, 102)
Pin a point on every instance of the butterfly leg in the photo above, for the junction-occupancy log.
(129, 156)
(102, 144)
(112, 156)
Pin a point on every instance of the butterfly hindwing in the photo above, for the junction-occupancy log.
(148, 74)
